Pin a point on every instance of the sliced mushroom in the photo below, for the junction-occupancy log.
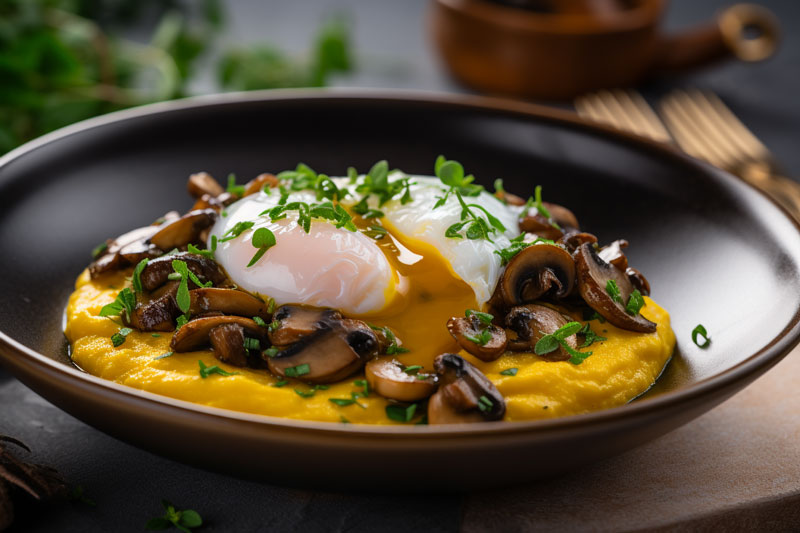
(203, 183)
(387, 377)
(195, 334)
(134, 241)
(462, 328)
(535, 271)
(465, 395)
(531, 322)
(296, 322)
(259, 182)
(185, 230)
(594, 275)
(613, 254)
(573, 239)
(334, 351)
(157, 271)
(562, 216)
(638, 281)
(540, 225)
(509, 198)
(228, 343)
(208, 202)
(228, 301)
(155, 315)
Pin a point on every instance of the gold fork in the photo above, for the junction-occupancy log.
(705, 128)
(625, 110)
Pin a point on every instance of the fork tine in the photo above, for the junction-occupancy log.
(739, 133)
(715, 135)
(686, 134)
(651, 123)
(590, 106)
(625, 110)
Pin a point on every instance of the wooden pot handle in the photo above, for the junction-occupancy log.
(728, 36)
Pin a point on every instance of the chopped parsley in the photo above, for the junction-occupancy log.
(125, 300)
(305, 394)
(206, 371)
(364, 384)
(259, 321)
(613, 290)
(236, 230)
(118, 338)
(700, 330)
(263, 240)
(297, 371)
(209, 254)
(551, 342)
(485, 404)
(635, 303)
(252, 344)
(401, 413)
(590, 337)
(510, 372)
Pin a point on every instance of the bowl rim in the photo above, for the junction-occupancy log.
(32, 361)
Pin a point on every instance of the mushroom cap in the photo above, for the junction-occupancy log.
(156, 272)
(464, 392)
(195, 334)
(462, 327)
(562, 216)
(203, 183)
(593, 276)
(540, 226)
(297, 322)
(259, 182)
(158, 314)
(327, 352)
(133, 243)
(535, 271)
(227, 301)
(531, 322)
(572, 239)
(186, 230)
(386, 376)
(638, 280)
(228, 343)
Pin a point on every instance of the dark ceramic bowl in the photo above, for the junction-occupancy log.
(715, 251)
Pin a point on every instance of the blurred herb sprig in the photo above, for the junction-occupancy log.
(62, 61)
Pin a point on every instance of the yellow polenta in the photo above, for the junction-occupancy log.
(620, 369)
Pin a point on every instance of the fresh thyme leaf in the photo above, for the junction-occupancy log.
(263, 239)
(510, 372)
(635, 303)
(206, 371)
(700, 330)
(613, 290)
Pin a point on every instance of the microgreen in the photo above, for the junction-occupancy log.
(499, 190)
(236, 190)
(474, 226)
(206, 371)
(700, 330)
(590, 337)
(236, 230)
(99, 250)
(306, 212)
(301, 178)
(136, 278)
(352, 173)
(297, 371)
(263, 240)
(181, 321)
(635, 303)
(125, 299)
(551, 342)
(613, 290)
(192, 249)
(517, 245)
(184, 520)
(401, 413)
(118, 338)
(451, 173)
(510, 372)
(305, 394)
(377, 182)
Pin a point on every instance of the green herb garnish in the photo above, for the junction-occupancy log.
(510, 372)
(236, 190)
(297, 371)
(365, 386)
(206, 371)
(192, 249)
(375, 232)
(343, 419)
(263, 240)
(451, 173)
(551, 342)
(99, 250)
(306, 212)
(118, 338)
(393, 348)
(272, 351)
(125, 300)
(517, 245)
(613, 290)
(280, 383)
(400, 413)
(700, 330)
(413, 369)
(305, 394)
(136, 278)
(377, 182)
(259, 321)
(486, 318)
(590, 337)
(252, 344)
(635, 303)
(236, 230)
(474, 226)
(342, 402)
(164, 356)
(183, 520)
(485, 404)
(481, 338)
(182, 296)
